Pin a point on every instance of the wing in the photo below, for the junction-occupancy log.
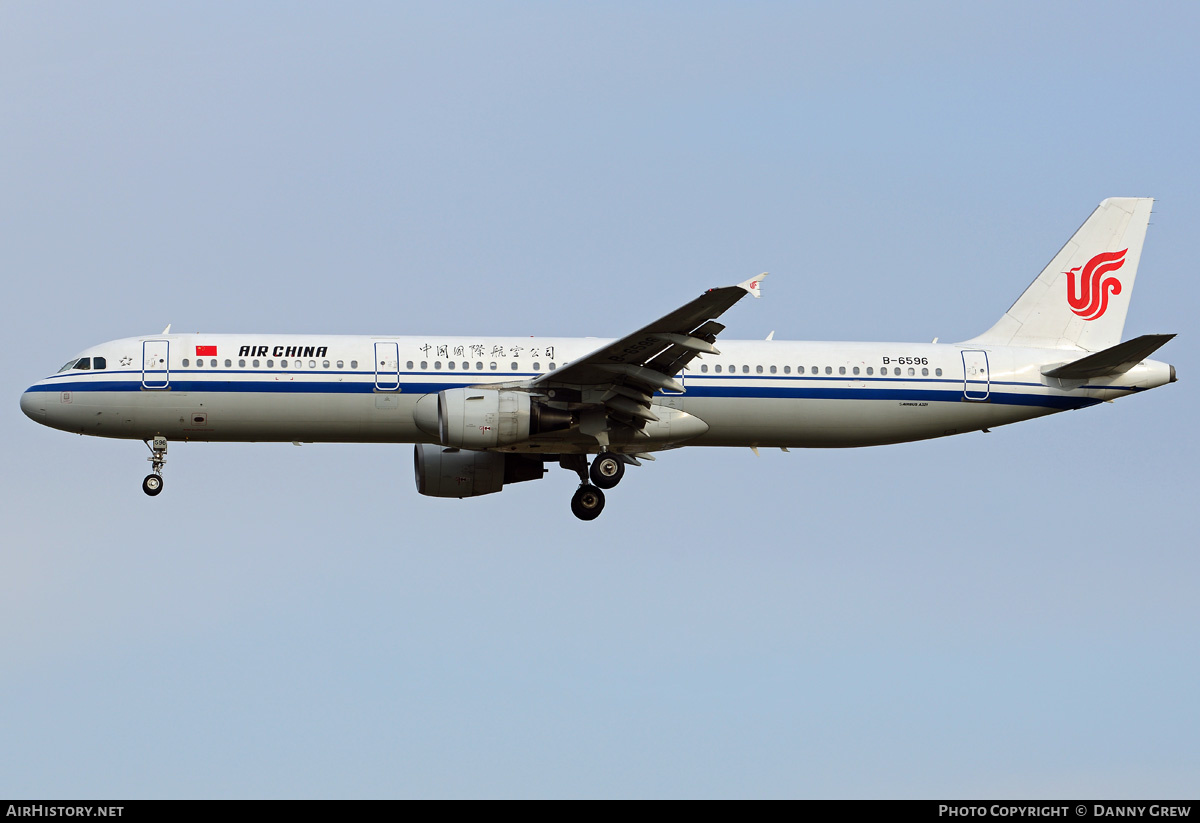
(613, 387)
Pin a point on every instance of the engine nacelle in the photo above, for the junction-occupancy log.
(475, 418)
(443, 472)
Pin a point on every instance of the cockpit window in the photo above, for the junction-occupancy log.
(84, 364)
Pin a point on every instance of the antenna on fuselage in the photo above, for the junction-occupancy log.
(167, 330)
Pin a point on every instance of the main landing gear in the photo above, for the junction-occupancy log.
(153, 484)
(605, 472)
(587, 503)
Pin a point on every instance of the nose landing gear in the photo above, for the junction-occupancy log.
(153, 484)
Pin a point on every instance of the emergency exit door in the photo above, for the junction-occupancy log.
(387, 366)
(976, 380)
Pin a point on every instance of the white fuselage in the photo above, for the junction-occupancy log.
(333, 388)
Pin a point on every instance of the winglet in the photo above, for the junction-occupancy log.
(752, 285)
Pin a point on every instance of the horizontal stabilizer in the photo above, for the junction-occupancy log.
(1115, 360)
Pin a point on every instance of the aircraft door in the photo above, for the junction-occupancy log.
(387, 366)
(976, 379)
(156, 370)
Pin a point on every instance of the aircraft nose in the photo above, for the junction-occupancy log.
(32, 403)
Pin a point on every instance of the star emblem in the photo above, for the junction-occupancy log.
(125, 361)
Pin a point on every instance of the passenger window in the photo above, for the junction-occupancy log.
(896, 371)
(924, 372)
(186, 362)
(324, 364)
(270, 364)
(717, 369)
(493, 366)
(816, 369)
(228, 364)
(478, 365)
(254, 363)
(450, 365)
(912, 372)
(856, 369)
(537, 366)
(312, 364)
(799, 370)
(745, 369)
(551, 367)
(938, 372)
(283, 364)
(437, 364)
(787, 369)
(870, 370)
(213, 362)
(829, 369)
(773, 370)
(424, 364)
(354, 364)
(466, 365)
(704, 368)
(514, 365)
(841, 369)
(99, 363)
(758, 369)
(241, 364)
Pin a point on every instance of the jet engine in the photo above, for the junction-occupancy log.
(443, 472)
(474, 418)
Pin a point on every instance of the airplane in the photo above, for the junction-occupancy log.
(484, 412)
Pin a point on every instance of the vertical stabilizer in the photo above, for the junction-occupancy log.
(1080, 299)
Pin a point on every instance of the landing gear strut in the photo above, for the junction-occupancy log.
(588, 501)
(153, 484)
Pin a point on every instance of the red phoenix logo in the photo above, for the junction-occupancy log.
(1088, 291)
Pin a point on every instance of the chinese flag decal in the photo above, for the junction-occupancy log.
(206, 351)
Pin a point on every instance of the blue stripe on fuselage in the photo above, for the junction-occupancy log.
(696, 388)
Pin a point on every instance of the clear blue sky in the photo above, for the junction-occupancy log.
(1011, 614)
